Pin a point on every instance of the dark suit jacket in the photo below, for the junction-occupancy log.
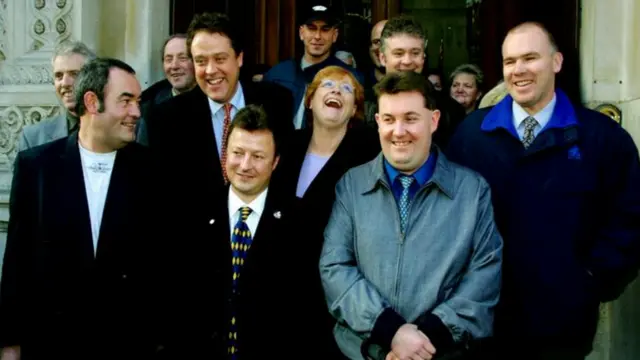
(180, 131)
(56, 299)
(360, 145)
(152, 96)
(268, 324)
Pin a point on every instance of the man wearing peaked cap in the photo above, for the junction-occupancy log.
(318, 31)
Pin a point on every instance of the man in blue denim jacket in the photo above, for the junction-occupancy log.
(411, 260)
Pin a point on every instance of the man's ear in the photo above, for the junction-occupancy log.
(91, 102)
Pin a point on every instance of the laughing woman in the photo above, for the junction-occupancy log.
(334, 141)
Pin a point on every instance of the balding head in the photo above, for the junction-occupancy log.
(530, 61)
(374, 49)
(534, 26)
(377, 29)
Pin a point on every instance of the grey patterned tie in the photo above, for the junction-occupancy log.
(403, 204)
(529, 124)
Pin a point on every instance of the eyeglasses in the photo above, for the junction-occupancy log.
(330, 84)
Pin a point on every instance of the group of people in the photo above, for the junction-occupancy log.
(309, 215)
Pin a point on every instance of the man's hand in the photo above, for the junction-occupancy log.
(391, 356)
(10, 353)
(409, 343)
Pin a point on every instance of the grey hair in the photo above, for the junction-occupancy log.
(470, 69)
(400, 25)
(71, 47)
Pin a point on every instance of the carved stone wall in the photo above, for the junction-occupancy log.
(27, 49)
(131, 30)
(29, 31)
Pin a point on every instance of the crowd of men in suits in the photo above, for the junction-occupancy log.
(196, 220)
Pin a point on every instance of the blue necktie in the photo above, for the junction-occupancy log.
(403, 204)
(240, 244)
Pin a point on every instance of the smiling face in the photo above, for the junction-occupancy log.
(217, 66)
(529, 66)
(114, 126)
(251, 159)
(464, 89)
(403, 52)
(178, 67)
(65, 70)
(333, 103)
(374, 47)
(405, 126)
(318, 37)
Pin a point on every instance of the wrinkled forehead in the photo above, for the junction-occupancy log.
(376, 32)
(175, 46)
(70, 62)
(526, 41)
(122, 83)
(252, 140)
(404, 42)
(317, 24)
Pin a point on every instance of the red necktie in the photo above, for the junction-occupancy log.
(225, 131)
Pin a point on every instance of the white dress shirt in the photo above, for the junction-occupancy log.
(217, 114)
(256, 206)
(542, 117)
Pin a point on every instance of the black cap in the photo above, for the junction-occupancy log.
(319, 12)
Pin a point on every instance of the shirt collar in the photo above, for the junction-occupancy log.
(501, 115)
(72, 122)
(422, 175)
(256, 206)
(237, 101)
(542, 117)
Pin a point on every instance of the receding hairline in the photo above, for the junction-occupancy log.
(380, 25)
(182, 37)
(533, 25)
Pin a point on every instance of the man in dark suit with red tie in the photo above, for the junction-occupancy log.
(189, 130)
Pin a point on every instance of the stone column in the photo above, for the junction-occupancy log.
(610, 74)
(134, 31)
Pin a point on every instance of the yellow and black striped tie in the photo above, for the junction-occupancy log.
(240, 244)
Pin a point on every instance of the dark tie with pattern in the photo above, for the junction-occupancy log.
(529, 125)
(240, 244)
(403, 204)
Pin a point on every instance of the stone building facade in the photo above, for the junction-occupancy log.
(134, 30)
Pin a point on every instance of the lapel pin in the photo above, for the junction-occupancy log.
(212, 221)
(277, 214)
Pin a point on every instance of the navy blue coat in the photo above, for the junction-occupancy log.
(568, 208)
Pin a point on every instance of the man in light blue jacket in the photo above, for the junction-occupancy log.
(411, 260)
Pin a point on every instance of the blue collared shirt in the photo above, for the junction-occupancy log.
(421, 176)
(217, 114)
(542, 117)
(501, 115)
